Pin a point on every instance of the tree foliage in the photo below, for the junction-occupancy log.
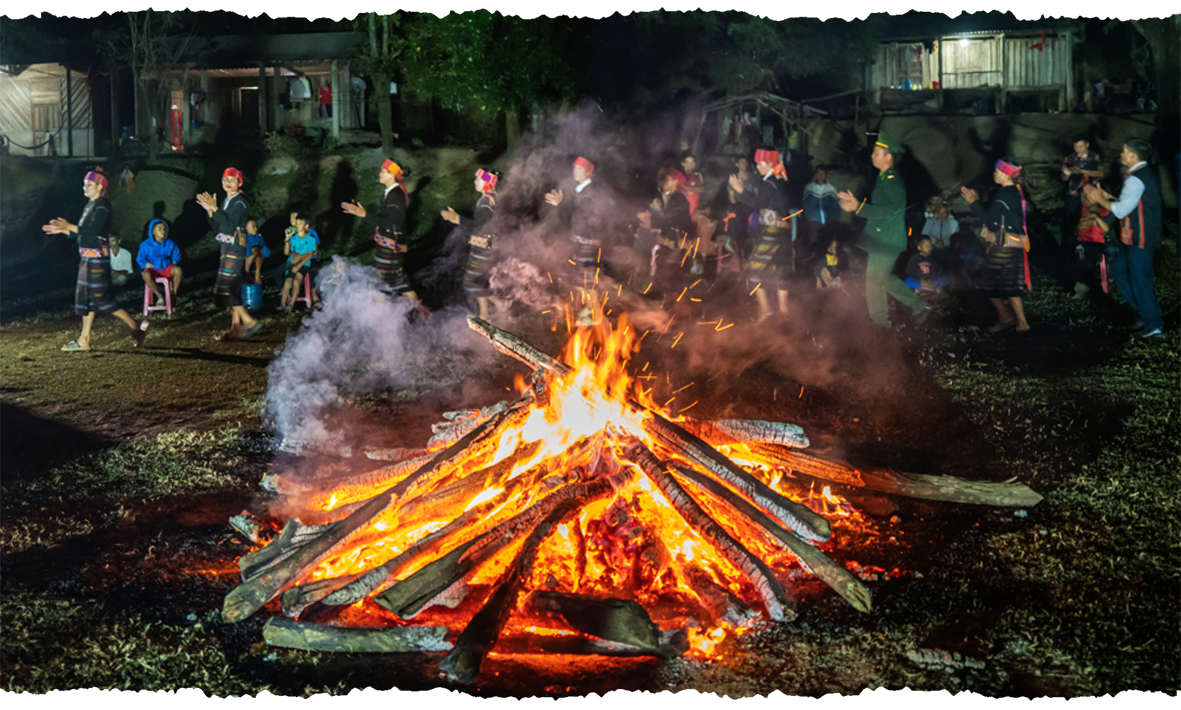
(662, 54)
(497, 62)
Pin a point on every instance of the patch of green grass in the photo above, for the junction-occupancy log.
(170, 463)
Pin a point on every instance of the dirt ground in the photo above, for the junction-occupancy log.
(122, 466)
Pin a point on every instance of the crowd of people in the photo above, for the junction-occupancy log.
(753, 228)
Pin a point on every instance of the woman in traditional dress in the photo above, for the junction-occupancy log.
(92, 294)
(482, 241)
(229, 221)
(669, 218)
(1005, 273)
(389, 223)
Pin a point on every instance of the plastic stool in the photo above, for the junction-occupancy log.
(307, 292)
(167, 307)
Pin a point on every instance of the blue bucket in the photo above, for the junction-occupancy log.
(252, 296)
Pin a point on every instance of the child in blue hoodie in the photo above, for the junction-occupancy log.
(159, 257)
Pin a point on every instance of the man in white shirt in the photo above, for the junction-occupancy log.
(120, 262)
(1138, 210)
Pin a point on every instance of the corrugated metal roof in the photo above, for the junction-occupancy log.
(932, 25)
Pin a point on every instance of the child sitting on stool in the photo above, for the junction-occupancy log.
(159, 257)
(923, 273)
(256, 251)
(829, 266)
(300, 248)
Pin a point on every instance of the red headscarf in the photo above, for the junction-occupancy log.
(392, 167)
(236, 174)
(586, 165)
(772, 157)
(679, 176)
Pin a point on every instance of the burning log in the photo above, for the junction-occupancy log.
(798, 517)
(327, 478)
(617, 620)
(814, 560)
(454, 430)
(316, 637)
(463, 663)
(413, 594)
(949, 489)
(514, 347)
(252, 594)
(770, 589)
(293, 535)
(752, 431)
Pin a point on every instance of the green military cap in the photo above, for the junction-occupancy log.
(887, 141)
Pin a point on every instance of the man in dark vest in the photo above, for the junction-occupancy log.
(1138, 210)
(885, 236)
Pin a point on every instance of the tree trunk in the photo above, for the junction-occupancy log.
(385, 119)
(1164, 39)
(512, 129)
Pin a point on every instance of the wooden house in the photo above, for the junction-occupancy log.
(50, 107)
(978, 63)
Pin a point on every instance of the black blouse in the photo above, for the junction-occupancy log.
(95, 223)
(1004, 213)
(674, 217)
(477, 225)
(390, 218)
(233, 215)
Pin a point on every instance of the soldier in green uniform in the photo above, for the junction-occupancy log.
(885, 236)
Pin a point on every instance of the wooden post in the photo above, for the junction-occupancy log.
(185, 107)
(262, 98)
(1002, 97)
(336, 100)
(940, 93)
(69, 114)
(116, 129)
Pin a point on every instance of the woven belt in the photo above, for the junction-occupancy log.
(580, 240)
(484, 242)
(386, 242)
(93, 253)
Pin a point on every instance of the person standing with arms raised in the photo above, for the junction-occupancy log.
(578, 210)
(92, 294)
(389, 222)
(885, 236)
(770, 260)
(229, 221)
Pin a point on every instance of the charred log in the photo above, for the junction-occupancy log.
(316, 637)
(258, 590)
(770, 589)
(514, 347)
(408, 597)
(617, 620)
(816, 561)
(798, 517)
(949, 489)
(463, 663)
(751, 431)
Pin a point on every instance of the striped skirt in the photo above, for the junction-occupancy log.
(1003, 273)
(227, 291)
(389, 267)
(92, 293)
(766, 265)
(479, 264)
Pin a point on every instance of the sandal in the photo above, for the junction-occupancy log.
(74, 347)
(1000, 327)
(252, 329)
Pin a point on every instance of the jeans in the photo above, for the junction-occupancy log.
(1131, 269)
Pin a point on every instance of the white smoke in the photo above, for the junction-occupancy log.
(363, 341)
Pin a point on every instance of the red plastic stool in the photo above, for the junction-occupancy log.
(307, 292)
(167, 307)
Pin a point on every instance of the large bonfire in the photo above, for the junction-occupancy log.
(578, 518)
